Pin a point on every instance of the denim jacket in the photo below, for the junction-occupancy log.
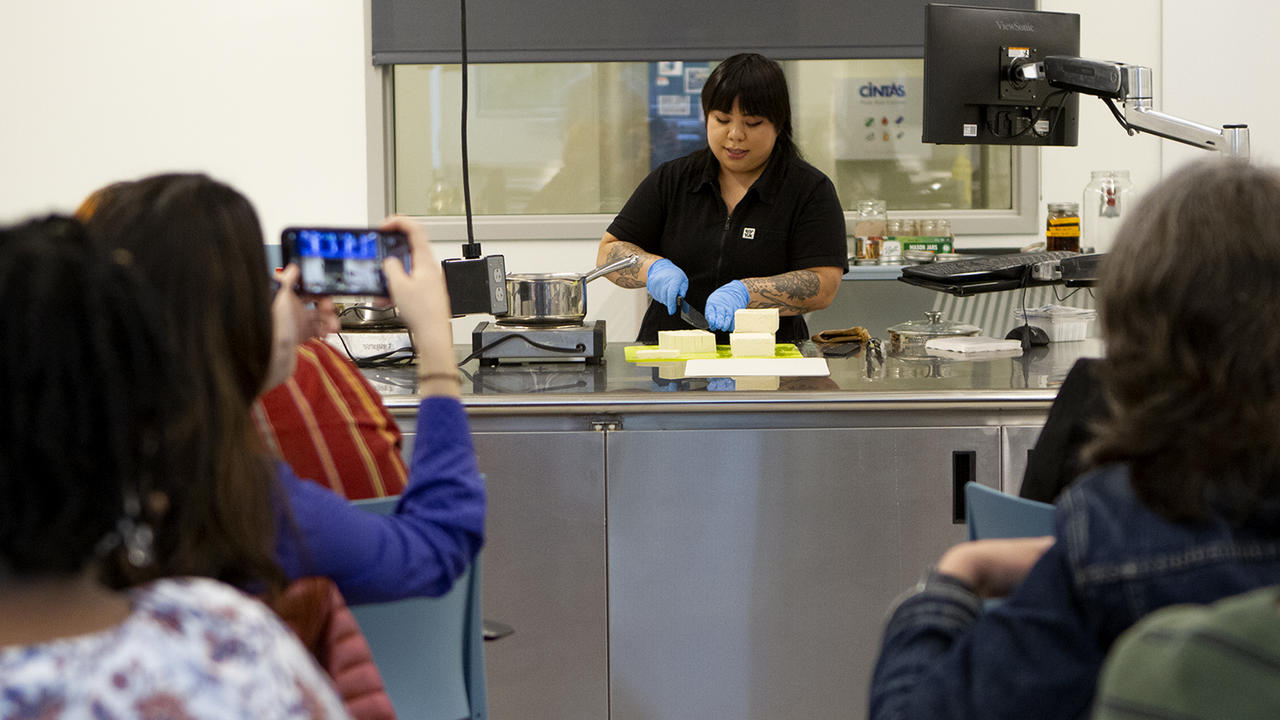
(1038, 654)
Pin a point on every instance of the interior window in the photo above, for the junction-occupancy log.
(576, 138)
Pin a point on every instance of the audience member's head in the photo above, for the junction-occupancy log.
(199, 245)
(1190, 309)
(90, 204)
(90, 398)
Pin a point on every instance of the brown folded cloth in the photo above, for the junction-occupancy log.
(853, 334)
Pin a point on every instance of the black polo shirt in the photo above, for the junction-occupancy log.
(790, 219)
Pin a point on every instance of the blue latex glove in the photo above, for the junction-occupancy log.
(666, 282)
(721, 384)
(724, 302)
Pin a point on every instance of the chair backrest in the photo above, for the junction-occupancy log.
(993, 514)
(430, 651)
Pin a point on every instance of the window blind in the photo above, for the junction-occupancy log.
(502, 31)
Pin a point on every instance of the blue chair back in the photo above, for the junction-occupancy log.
(430, 651)
(993, 514)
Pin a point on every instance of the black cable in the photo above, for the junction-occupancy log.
(1119, 118)
(1066, 297)
(382, 359)
(1026, 325)
(1057, 115)
(1040, 110)
(470, 249)
(393, 321)
(578, 348)
(1026, 333)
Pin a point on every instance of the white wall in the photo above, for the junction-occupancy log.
(268, 96)
(271, 97)
(1219, 63)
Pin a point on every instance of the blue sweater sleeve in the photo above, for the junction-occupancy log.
(436, 530)
(1031, 656)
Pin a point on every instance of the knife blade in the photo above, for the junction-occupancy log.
(692, 316)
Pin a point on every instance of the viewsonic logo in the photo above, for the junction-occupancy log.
(1015, 26)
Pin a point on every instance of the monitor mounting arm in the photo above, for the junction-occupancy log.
(1131, 85)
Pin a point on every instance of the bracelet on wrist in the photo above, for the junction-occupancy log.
(427, 377)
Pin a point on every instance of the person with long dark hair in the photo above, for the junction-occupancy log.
(744, 222)
(198, 242)
(1183, 502)
(96, 450)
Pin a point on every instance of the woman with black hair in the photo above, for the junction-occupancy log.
(198, 242)
(744, 222)
(95, 447)
(1183, 502)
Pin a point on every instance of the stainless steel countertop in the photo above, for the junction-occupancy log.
(616, 385)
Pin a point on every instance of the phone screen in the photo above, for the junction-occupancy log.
(342, 261)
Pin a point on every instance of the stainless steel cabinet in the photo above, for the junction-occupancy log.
(715, 564)
(750, 570)
(1016, 442)
(544, 574)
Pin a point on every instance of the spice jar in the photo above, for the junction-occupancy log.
(869, 220)
(1062, 231)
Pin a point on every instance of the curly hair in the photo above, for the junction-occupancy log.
(1189, 301)
(89, 398)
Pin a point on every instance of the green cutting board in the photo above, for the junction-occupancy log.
(781, 350)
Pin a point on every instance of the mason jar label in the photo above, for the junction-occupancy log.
(1063, 227)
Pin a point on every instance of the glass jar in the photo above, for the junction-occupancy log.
(869, 219)
(1062, 231)
(909, 338)
(1105, 198)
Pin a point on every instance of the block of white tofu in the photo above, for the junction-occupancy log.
(656, 353)
(687, 342)
(756, 320)
(756, 382)
(751, 344)
(671, 370)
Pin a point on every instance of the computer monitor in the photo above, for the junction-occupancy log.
(971, 95)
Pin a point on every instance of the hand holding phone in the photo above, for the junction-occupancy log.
(286, 327)
(423, 302)
(342, 261)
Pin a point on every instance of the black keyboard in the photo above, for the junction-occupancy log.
(984, 268)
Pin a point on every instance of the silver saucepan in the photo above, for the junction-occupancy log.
(553, 298)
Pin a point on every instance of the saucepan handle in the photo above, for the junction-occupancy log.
(625, 262)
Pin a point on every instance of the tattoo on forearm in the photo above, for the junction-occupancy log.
(790, 291)
(628, 277)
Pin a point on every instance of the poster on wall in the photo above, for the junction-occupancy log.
(879, 118)
(675, 110)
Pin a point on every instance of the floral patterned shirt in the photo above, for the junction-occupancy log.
(191, 649)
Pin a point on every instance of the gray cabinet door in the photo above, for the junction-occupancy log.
(1015, 444)
(750, 570)
(544, 574)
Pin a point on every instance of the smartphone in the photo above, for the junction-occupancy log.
(342, 261)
